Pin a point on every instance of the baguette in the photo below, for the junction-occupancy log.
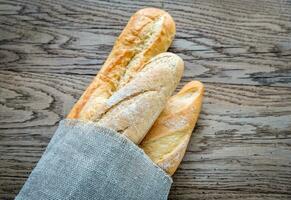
(167, 140)
(149, 32)
(133, 109)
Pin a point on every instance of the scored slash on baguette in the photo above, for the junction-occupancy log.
(133, 109)
(149, 32)
(167, 140)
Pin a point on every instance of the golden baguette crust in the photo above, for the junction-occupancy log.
(133, 109)
(167, 140)
(149, 32)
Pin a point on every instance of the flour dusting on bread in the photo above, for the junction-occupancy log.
(167, 140)
(149, 32)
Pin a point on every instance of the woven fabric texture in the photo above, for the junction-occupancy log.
(84, 161)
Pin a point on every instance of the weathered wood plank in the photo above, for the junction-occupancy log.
(242, 144)
(245, 44)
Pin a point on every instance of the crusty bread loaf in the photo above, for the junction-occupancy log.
(149, 32)
(167, 140)
(133, 109)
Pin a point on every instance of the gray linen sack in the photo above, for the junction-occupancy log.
(84, 161)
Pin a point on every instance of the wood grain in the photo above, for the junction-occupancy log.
(241, 50)
(252, 46)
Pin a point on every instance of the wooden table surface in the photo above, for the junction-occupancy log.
(241, 50)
